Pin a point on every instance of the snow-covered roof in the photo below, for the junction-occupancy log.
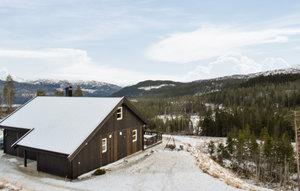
(60, 124)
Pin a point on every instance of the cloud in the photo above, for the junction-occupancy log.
(213, 41)
(70, 64)
(46, 53)
(234, 63)
(271, 63)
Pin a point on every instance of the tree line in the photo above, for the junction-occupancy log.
(266, 159)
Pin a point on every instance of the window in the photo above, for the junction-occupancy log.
(134, 135)
(119, 113)
(104, 145)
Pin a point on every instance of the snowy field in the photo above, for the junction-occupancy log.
(153, 169)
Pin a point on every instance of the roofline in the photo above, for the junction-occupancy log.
(15, 143)
(41, 150)
(17, 109)
(134, 110)
(13, 128)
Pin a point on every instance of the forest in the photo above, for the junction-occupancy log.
(257, 103)
(256, 116)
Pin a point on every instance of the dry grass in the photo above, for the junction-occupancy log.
(207, 165)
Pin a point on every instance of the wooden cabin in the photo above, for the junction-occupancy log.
(69, 136)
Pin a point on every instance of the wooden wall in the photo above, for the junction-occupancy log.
(56, 164)
(118, 146)
(10, 137)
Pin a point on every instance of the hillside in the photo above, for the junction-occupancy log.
(172, 89)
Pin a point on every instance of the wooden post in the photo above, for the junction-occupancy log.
(25, 158)
(297, 148)
(143, 133)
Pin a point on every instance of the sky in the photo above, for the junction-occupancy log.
(124, 42)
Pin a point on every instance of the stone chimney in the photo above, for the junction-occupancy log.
(69, 91)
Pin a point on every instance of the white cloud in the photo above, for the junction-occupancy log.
(213, 41)
(71, 64)
(43, 54)
(92, 71)
(271, 63)
(234, 64)
(75, 64)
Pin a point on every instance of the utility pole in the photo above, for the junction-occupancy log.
(297, 148)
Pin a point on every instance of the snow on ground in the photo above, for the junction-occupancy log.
(194, 120)
(196, 148)
(152, 169)
(148, 88)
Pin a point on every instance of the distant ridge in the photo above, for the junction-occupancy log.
(165, 88)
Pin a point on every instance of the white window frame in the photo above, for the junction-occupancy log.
(104, 145)
(120, 113)
(134, 135)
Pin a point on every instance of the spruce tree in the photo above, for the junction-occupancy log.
(9, 92)
(78, 91)
(211, 148)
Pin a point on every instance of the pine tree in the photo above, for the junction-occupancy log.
(1, 109)
(78, 92)
(9, 92)
(211, 148)
(222, 153)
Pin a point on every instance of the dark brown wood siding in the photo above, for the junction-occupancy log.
(56, 164)
(119, 143)
(10, 137)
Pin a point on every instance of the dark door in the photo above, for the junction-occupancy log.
(122, 143)
(110, 147)
(10, 137)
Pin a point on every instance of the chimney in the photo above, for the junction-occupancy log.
(69, 91)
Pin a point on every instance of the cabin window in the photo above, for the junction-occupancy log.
(134, 135)
(104, 145)
(119, 113)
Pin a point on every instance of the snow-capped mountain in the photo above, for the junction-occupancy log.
(289, 70)
(26, 89)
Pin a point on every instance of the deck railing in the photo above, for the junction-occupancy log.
(152, 137)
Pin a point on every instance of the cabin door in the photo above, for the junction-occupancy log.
(122, 143)
(110, 148)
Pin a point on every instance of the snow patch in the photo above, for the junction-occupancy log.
(148, 88)
(88, 90)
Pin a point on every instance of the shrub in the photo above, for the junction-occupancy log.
(211, 148)
(99, 171)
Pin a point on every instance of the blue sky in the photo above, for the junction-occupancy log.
(124, 42)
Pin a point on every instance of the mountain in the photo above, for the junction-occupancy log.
(27, 89)
(160, 88)
(170, 88)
